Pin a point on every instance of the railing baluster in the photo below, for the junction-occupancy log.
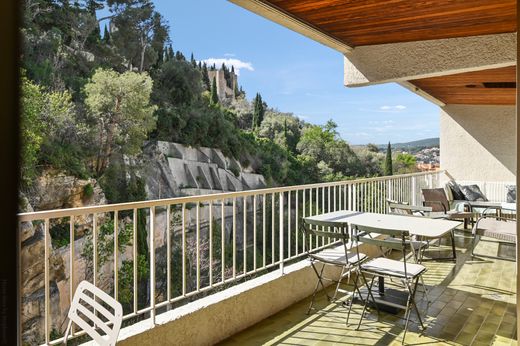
(47, 243)
(304, 240)
(116, 240)
(272, 228)
(211, 243)
(152, 264)
(183, 236)
(71, 258)
(234, 238)
(281, 235)
(264, 246)
(222, 240)
(197, 245)
(310, 214)
(135, 257)
(244, 240)
(289, 224)
(296, 230)
(168, 256)
(254, 232)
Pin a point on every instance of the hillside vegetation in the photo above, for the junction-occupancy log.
(91, 97)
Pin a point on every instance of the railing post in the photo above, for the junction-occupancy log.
(281, 233)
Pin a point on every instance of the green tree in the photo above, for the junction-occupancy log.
(388, 161)
(47, 117)
(205, 77)
(332, 157)
(372, 148)
(282, 128)
(405, 163)
(106, 35)
(258, 111)
(120, 105)
(214, 96)
(32, 128)
(141, 32)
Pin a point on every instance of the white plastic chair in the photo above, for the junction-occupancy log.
(87, 299)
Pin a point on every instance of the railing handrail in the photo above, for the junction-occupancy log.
(98, 209)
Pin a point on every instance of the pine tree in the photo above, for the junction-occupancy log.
(388, 161)
(205, 77)
(232, 69)
(214, 96)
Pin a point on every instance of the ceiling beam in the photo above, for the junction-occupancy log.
(397, 62)
(283, 18)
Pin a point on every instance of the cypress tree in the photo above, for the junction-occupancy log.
(214, 95)
(106, 35)
(170, 53)
(388, 161)
(193, 62)
(205, 77)
(259, 111)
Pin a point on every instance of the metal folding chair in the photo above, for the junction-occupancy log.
(335, 254)
(408, 273)
(89, 302)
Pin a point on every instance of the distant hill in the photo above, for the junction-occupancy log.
(419, 144)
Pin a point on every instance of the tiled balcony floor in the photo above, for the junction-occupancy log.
(472, 303)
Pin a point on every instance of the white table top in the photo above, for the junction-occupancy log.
(421, 226)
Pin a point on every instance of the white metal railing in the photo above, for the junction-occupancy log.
(180, 247)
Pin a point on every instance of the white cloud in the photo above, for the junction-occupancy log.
(236, 63)
(229, 55)
(392, 109)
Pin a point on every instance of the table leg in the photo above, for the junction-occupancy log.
(381, 285)
(453, 244)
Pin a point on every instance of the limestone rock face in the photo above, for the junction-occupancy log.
(56, 190)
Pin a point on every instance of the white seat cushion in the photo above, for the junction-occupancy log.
(386, 266)
(337, 256)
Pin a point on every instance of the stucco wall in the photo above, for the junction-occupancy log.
(478, 142)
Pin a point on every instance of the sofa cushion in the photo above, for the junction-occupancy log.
(473, 193)
(511, 193)
(456, 191)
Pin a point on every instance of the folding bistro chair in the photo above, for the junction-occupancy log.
(88, 299)
(417, 246)
(336, 255)
(408, 273)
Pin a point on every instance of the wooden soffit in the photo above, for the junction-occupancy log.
(486, 87)
(370, 22)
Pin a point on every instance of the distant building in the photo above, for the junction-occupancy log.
(225, 88)
(428, 167)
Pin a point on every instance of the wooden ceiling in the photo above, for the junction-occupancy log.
(369, 22)
(487, 87)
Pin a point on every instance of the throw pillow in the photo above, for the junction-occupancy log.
(473, 193)
(511, 193)
(456, 191)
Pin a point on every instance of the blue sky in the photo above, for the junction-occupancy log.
(295, 74)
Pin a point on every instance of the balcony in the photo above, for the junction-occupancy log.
(472, 302)
(225, 262)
